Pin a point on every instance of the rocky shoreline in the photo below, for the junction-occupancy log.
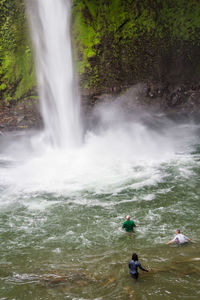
(183, 100)
(20, 116)
(174, 101)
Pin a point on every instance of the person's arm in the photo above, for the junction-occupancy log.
(140, 266)
(170, 242)
(123, 227)
(143, 269)
(135, 225)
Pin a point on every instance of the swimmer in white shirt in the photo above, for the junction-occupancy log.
(179, 239)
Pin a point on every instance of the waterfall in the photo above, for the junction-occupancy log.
(59, 99)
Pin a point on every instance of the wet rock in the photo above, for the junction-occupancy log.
(151, 95)
(174, 99)
(178, 100)
(24, 114)
(159, 92)
(55, 282)
(20, 119)
(153, 90)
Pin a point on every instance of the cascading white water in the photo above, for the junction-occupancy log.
(60, 105)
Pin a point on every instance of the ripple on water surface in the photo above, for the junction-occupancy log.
(61, 213)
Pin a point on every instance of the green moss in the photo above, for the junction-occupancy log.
(16, 63)
(129, 40)
(2, 86)
(116, 43)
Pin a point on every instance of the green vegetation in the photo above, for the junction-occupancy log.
(121, 42)
(117, 43)
(17, 76)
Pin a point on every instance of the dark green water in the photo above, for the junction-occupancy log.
(60, 216)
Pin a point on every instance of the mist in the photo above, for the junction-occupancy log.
(122, 141)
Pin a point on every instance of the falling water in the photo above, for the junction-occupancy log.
(59, 99)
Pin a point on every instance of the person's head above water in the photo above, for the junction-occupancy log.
(178, 231)
(134, 257)
(128, 217)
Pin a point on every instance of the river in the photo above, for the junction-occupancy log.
(61, 211)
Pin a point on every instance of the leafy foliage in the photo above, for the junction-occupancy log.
(116, 42)
(17, 76)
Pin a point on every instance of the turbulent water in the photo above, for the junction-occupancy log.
(61, 212)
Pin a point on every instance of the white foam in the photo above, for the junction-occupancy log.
(109, 162)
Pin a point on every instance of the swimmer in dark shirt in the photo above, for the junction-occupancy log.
(134, 264)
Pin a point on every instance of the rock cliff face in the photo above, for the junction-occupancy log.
(117, 44)
(120, 43)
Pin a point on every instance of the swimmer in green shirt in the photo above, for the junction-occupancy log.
(129, 224)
